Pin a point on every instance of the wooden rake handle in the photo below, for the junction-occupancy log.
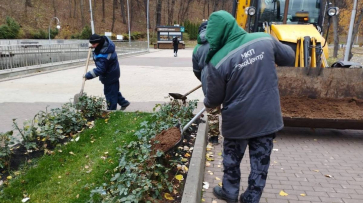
(192, 90)
(85, 71)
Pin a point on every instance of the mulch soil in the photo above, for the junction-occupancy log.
(304, 107)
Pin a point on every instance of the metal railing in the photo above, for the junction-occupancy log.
(33, 54)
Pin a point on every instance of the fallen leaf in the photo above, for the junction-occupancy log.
(205, 185)
(328, 176)
(214, 201)
(179, 177)
(218, 178)
(220, 153)
(25, 199)
(185, 168)
(187, 155)
(77, 139)
(220, 184)
(303, 194)
(168, 196)
(315, 140)
(316, 170)
(184, 160)
(275, 150)
(44, 139)
(71, 153)
(283, 194)
(207, 163)
(203, 200)
(86, 167)
(59, 150)
(59, 176)
(219, 166)
(274, 141)
(17, 173)
(77, 196)
(9, 177)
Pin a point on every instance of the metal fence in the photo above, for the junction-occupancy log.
(35, 54)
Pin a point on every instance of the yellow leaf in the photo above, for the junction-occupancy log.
(106, 120)
(9, 177)
(303, 194)
(220, 184)
(17, 173)
(184, 160)
(168, 196)
(179, 177)
(71, 153)
(218, 178)
(210, 159)
(316, 170)
(220, 153)
(203, 200)
(283, 194)
(43, 139)
(187, 155)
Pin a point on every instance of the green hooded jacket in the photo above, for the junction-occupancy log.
(241, 75)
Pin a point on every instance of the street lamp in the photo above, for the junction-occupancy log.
(58, 26)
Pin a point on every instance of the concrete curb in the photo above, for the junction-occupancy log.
(193, 185)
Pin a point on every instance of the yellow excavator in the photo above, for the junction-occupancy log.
(299, 23)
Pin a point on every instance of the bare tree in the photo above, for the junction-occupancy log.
(113, 14)
(70, 8)
(205, 3)
(171, 12)
(82, 12)
(355, 32)
(223, 3)
(122, 2)
(54, 8)
(75, 9)
(215, 5)
(28, 3)
(185, 10)
(158, 12)
(103, 10)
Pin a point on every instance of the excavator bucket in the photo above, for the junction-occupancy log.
(321, 97)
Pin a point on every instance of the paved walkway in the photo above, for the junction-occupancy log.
(300, 162)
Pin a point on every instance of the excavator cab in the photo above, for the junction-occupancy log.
(311, 85)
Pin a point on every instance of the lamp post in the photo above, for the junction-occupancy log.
(128, 19)
(58, 26)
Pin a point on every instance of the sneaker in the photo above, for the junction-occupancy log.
(218, 192)
(213, 140)
(174, 55)
(124, 107)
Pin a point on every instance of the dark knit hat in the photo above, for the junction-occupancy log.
(203, 26)
(95, 38)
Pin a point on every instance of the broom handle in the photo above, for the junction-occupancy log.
(87, 62)
(192, 90)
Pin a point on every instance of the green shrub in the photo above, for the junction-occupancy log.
(185, 36)
(85, 33)
(5, 152)
(91, 107)
(10, 29)
(142, 176)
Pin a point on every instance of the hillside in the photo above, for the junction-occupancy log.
(33, 15)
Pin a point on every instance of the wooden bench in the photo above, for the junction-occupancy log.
(30, 44)
(168, 45)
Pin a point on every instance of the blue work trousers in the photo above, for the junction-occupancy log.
(114, 96)
(233, 150)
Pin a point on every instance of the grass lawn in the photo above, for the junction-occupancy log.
(76, 168)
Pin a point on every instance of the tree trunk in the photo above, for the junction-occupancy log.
(180, 10)
(355, 32)
(122, 2)
(75, 9)
(223, 2)
(70, 8)
(82, 12)
(158, 12)
(113, 14)
(171, 13)
(205, 3)
(103, 10)
(336, 36)
(186, 10)
(54, 8)
(215, 5)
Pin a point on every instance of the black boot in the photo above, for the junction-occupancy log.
(218, 192)
(213, 139)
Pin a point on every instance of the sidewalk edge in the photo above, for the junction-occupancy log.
(193, 186)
